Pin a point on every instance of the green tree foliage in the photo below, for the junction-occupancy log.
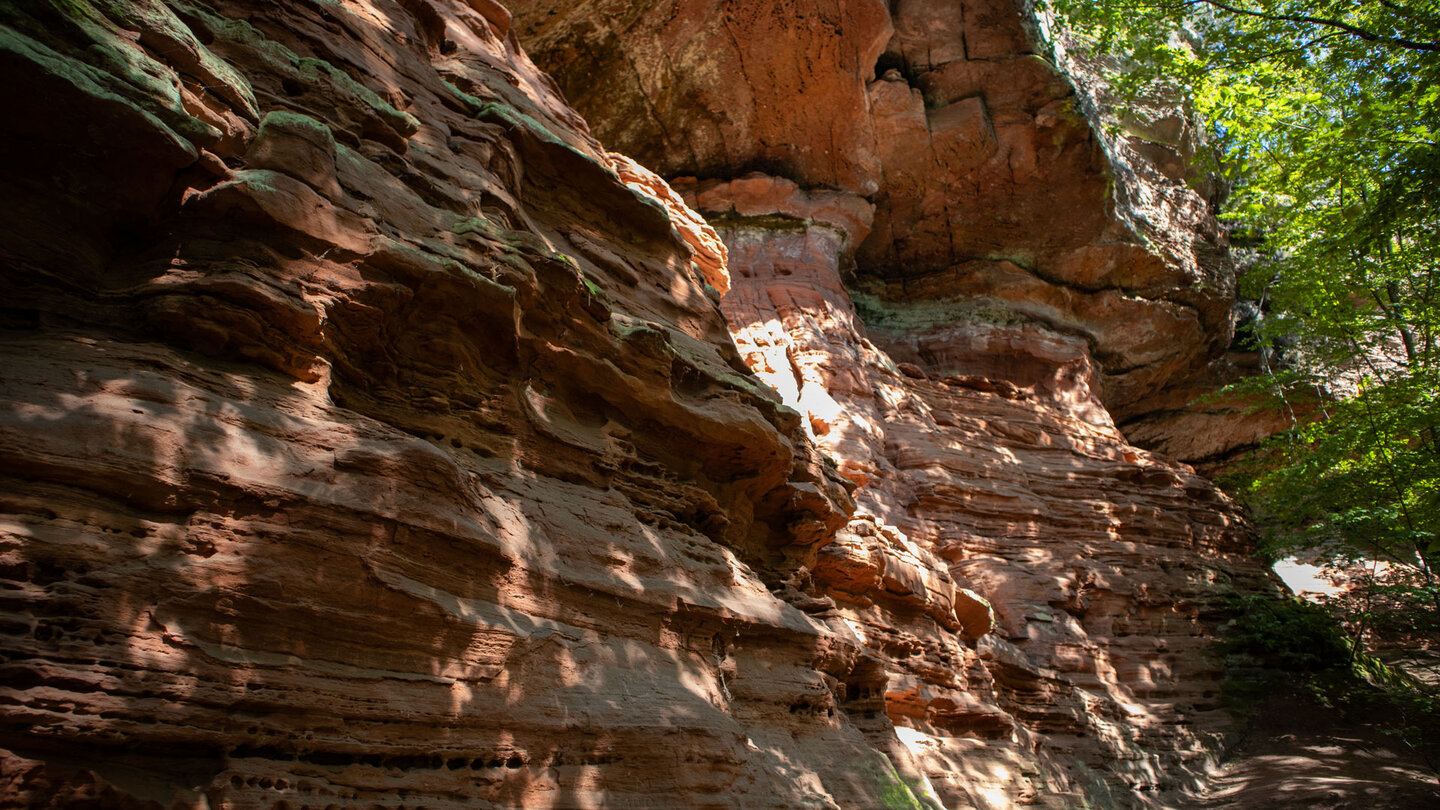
(1325, 115)
(1286, 634)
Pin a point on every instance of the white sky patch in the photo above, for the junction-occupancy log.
(1304, 578)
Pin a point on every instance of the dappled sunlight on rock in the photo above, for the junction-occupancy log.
(398, 454)
(1025, 576)
(372, 436)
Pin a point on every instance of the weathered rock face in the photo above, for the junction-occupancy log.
(370, 439)
(989, 181)
(963, 339)
(373, 437)
(1040, 593)
(722, 87)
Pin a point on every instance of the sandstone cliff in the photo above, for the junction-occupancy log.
(373, 437)
(1006, 183)
(945, 256)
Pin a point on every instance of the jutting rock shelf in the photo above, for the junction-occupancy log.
(371, 436)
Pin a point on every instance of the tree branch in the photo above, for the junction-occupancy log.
(1368, 36)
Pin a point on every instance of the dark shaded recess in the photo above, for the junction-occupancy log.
(892, 60)
(96, 176)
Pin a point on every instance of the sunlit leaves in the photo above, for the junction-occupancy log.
(1326, 115)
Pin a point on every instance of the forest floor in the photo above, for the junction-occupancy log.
(1301, 755)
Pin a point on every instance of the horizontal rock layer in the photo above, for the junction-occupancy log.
(965, 269)
(373, 437)
(1042, 595)
(986, 153)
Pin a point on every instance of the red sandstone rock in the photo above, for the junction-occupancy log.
(709, 252)
(385, 449)
(690, 87)
(370, 437)
(1040, 594)
(974, 148)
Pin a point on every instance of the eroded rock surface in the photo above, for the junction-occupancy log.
(373, 437)
(1041, 594)
(992, 176)
(970, 337)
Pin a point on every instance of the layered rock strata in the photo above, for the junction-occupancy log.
(965, 291)
(994, 179)
(1042, 595)
(372, 437)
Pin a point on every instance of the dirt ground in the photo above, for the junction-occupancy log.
(1300, 756)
